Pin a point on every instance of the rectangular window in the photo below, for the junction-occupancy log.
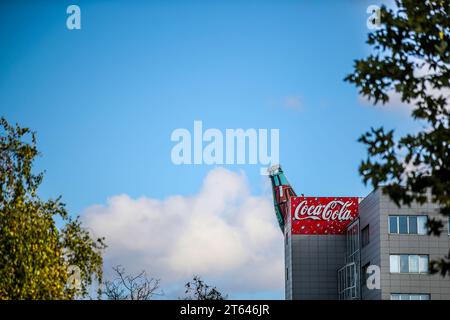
(408, 263)
(403, 224)
(422, 224)
(423, 264)
(404, 263)
(394, 263)
(410, 296)
(365, 236)
(393, 225)
(408, 224)
(412, 225)
(414, 264)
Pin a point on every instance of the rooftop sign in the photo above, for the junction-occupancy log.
(322, 215)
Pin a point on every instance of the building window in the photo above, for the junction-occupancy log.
(393, 224)
(365, 236)
(352, 239)
(410, 296)
(413, 264)
(412, 225)
(408, 263)
(422, 224)
(404, 263)
(403, 224)
(347, 282)
(394, 263)
(423, 264)
(408, 224)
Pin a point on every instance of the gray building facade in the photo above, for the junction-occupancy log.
(385, 237)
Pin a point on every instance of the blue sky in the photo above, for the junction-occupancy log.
(105, 99)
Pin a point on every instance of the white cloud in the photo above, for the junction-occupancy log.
(222, 233)
(395, 99)
(292, 102)
(289, 102)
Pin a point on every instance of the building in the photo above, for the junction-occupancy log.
(358, 248)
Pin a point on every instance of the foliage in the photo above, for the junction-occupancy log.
(197, 289)
(410, 58)
(37, 257)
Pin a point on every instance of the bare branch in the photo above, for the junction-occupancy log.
(129, 287)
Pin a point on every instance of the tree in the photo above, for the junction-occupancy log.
(39, 260)
(197, 289)
(411, 59)
(131, 287)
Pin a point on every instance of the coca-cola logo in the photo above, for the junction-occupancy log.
(322, 215)
(334, 210)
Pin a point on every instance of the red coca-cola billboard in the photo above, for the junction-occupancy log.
(322, 215)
